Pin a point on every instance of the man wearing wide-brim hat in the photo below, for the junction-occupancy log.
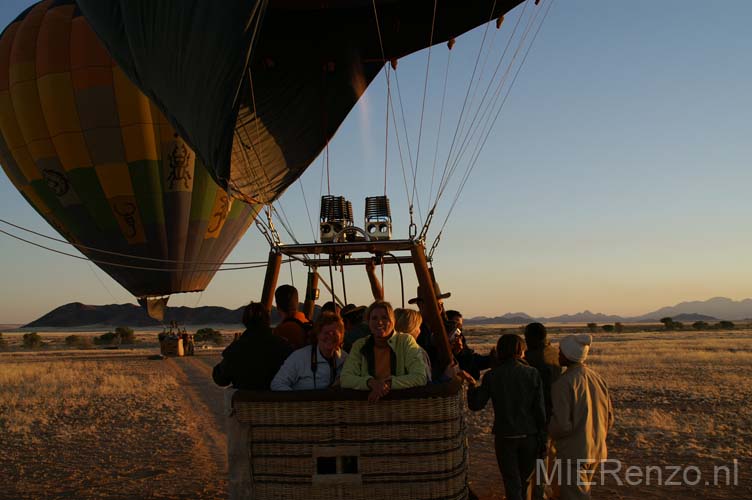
(437, 291)
(425, 338)
(581, 416)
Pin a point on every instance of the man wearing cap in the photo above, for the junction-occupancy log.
(582, 414)
(355, 328)
(425, 337)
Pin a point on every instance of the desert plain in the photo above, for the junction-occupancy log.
(113, 423)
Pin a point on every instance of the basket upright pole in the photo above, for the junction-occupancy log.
(270, 280)
(431, 307)
(312, 289)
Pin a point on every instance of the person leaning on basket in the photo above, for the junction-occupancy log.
(385, 360)
(315, 366)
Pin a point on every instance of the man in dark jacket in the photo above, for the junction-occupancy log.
(251, 362)
(519, 414)
(469, 360)
(544, 357)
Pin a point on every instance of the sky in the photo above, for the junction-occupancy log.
(616, 178)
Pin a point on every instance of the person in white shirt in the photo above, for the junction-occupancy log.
(315, 366)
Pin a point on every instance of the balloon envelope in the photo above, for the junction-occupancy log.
(101, 163)
(266, 83)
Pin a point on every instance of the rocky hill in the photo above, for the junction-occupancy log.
(77, 314)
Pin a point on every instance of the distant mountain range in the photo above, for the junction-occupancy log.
(713, 309)
(79, 315)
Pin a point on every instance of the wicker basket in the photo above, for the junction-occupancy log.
(171, 347)
(334, 444)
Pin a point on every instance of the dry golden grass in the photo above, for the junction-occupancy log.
(103, 425)
(112, 424)
(37, 395)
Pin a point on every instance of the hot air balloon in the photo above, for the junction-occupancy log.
(101, 163)
(257, 88)
(263, 83)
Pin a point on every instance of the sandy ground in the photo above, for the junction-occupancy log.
(155, 428)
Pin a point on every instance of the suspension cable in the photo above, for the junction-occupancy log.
(487, 111)
(423, 105)
(409, 152)
(441, 121)
(101, 282)
(283, 219)
(388, 89)
(386, 134)
(126, 266)
(330, 289)
(467, 94)
(308, 210)
(487, 133)
(451, 165)
(79, 246)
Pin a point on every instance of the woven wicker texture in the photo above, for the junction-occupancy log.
(412, 448)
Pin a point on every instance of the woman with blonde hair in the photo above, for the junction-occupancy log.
(409, 321)
(384, 360)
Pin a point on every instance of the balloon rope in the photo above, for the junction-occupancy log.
(388, 90)
(464, 103)
(386, 132)
(128, 256)
(101, 282)
(399, 143)
(441, 121)
(407, 141)
(126, 266)
(423, 107)
(308, 210)
(487, 133)
(472, 131)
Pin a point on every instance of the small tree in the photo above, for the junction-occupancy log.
(668, 323)
(678, 325)
(32, 340)
(726, 325)
(608, 328)
(3, 343)
(127, 335)
(208, 335)
(108, 338)
(700, 325)
(618, 327)
(592, 327)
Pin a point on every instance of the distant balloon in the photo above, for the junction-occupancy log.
(101, 163)
(258, 87)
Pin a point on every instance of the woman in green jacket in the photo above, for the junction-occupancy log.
(384, 360)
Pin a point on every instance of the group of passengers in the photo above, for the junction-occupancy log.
(544, 398)
(375, 351)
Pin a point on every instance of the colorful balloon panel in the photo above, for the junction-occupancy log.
(100, 162)
(259, 87)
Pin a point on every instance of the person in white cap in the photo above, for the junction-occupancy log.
(581, 416)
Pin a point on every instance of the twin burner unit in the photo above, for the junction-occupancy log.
(336, 220)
